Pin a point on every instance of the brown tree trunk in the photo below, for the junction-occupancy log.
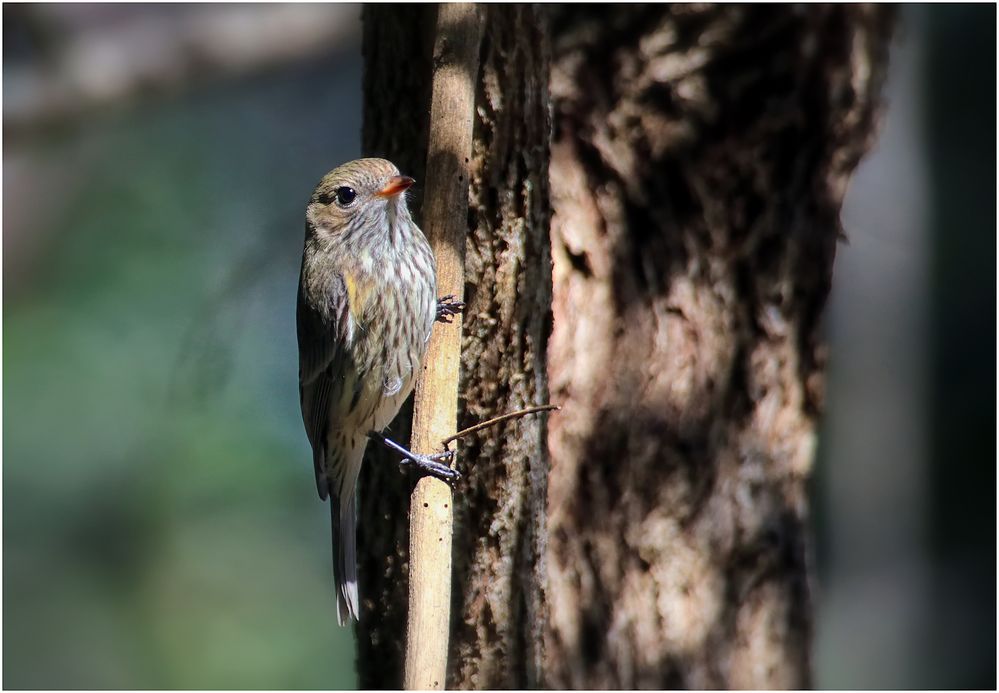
(498, 612)
(500, 519)
(700, 158)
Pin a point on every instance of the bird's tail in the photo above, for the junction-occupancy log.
(344, 520)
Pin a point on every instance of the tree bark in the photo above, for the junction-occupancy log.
(700, 158)
(498, 600)
(499, 543)
(698, 163)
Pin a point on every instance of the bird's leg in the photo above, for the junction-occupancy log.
(447, 308)
(429, 464)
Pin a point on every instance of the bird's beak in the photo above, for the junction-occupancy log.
(395, 185)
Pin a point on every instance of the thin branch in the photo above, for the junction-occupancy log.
(435, 410)
(498, 420)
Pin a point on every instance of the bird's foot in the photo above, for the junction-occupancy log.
(434, 465)
(447, 308)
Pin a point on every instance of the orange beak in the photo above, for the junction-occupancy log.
(396, 185)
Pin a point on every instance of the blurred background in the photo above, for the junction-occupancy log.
(160, 523)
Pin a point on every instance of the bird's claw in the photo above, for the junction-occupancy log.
(445, 456)
(436, 466)
(447, 308)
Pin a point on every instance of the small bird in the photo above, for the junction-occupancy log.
(367, 301)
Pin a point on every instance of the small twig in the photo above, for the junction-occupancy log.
(496, 420)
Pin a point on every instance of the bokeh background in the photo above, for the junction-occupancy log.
(160, 522)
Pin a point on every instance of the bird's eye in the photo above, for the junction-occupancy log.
(344, 195)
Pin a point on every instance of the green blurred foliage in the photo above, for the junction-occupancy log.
(161, 526)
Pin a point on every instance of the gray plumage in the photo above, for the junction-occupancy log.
(366, 306)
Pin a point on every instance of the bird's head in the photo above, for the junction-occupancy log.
(358, 195)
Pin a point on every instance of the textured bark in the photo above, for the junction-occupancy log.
(498, 609)
(500, 520)
(700, 158)
(699, 161)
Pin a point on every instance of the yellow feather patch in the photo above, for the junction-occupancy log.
(358, 293)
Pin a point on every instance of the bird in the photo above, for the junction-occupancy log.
(367, 302)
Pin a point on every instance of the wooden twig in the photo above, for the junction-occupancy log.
(445, 220)
(497, 420)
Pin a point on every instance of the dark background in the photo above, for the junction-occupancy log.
(160, 522)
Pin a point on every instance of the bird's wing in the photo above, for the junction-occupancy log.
(320, 352)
